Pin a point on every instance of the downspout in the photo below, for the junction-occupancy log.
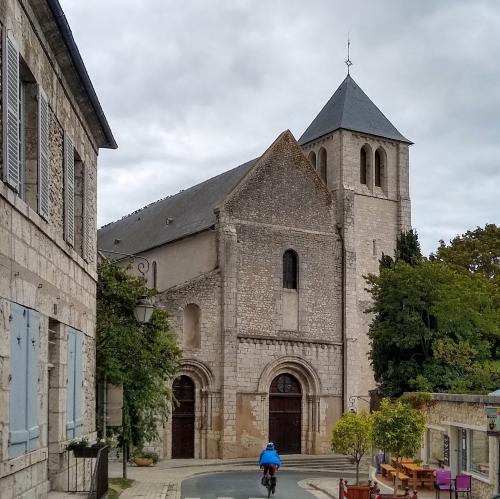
(339, 228)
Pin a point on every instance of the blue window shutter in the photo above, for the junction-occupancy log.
(33, 381)
(70, 387)
(18, 434)
(78, 382)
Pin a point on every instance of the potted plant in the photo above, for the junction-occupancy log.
(352, 436)
(141, 457)
(82, 448)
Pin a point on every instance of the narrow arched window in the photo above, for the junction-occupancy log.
(312, 158)
(322, 164)
(155, 274)
(192, 326)
(379, 167)
(363, 166)
(290, 269)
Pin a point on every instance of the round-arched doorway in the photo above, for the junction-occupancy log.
(285, 414)
(183, 418)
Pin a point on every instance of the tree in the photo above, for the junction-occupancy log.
(407, 250)
(476, 251)
(436, 328)
(352, 435)
(144, 359)
(398, 429)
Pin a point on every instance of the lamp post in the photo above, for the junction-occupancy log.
(143, 311)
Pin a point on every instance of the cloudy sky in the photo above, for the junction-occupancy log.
(192, 88)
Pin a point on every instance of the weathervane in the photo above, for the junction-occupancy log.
(348, 61)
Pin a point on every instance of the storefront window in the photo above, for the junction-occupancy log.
(480, 455)
(435, 447)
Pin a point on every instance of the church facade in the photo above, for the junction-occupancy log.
(261, 270)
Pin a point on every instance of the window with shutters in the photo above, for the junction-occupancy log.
(74, 421)
(79, 211)
(26, 165)
(154, 271)
(88, 220)
(69, 190)
(24, 428)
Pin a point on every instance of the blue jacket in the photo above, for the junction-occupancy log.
(269, 457)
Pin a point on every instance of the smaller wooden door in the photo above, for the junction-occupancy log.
(285, 414)
(183, 418)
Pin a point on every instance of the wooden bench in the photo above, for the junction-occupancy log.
(402, 478)
(386, 469)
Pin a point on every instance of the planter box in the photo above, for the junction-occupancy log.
(143, 461)
(87, 452)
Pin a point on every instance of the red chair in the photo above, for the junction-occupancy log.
(463, 484)
(443, 482)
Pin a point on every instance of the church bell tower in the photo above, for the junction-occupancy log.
(364, 160)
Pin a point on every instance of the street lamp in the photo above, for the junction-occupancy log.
(143, 310)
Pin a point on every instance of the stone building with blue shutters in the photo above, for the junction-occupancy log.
(52, 128)
(261, 270)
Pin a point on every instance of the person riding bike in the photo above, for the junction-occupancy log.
(269, 461)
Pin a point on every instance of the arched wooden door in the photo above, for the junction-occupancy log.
(285, 414)
(183, 418)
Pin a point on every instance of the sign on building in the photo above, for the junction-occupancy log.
(493, 420)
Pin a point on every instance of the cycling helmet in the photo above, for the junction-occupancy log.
(270, 446)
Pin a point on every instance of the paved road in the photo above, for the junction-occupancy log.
(245, 485)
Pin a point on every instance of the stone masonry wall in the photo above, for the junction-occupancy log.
(39, 270)
(462, 412)
(204, 363)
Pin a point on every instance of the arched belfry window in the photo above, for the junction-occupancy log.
(379, 167)
(290, 269)
(363, 166)
(312, 158)
(322, 164)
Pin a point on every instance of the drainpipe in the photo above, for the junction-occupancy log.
(339, 228)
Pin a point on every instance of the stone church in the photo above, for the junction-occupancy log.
(261, 269)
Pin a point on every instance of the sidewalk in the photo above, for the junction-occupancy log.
(330, 487)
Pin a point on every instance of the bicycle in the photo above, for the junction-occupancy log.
(270, 483)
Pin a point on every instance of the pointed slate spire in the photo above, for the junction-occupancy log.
(351, 109)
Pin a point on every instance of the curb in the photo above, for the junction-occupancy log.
(314, 486)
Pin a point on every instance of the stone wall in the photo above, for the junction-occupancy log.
(39, 270)
(371, 218)
(449, 414)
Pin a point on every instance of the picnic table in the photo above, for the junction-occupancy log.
(418, 474)
(405, 460)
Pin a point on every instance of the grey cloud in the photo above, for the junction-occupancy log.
(193, 88)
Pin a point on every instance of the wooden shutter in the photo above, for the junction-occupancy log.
(78, 383)
(18, 433)
(12, 167)
(32, 380)
(70, 386)
(43, 156)
(69, 190)
(87, 252)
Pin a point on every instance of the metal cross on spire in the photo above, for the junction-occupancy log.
(348, 61)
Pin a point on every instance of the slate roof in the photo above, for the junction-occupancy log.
(351, 109)
(190, 211)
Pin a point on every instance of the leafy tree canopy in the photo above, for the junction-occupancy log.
(398, 429)
(436, 328)
(142, 358)
(477, 251)
(352, 436)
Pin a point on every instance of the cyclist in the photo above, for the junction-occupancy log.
(269, 461)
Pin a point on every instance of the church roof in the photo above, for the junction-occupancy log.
(351, 109)
(174, 217)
